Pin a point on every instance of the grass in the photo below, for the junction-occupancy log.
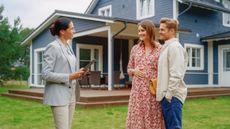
(20, 114)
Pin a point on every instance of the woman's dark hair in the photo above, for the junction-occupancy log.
(59, 24)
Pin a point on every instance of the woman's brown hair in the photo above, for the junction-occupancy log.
(149, 26)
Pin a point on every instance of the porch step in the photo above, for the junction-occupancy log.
(207, 96)
(95, 98)
(25, 97)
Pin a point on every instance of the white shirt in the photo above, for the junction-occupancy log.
(172, 65)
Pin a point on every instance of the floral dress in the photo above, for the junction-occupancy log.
(144, 112)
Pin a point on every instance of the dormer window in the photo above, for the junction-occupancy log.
(105, 11)
(145, 8)
(226, 16)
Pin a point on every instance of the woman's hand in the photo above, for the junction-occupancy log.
(77, 74)
(135, 72)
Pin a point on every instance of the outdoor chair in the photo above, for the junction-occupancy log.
(95, 79)
(84, 82)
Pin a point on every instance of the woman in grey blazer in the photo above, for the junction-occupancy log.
(60, 74)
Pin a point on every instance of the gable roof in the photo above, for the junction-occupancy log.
(217, 37)
(208, 4)
(59, 13)
(91, 6)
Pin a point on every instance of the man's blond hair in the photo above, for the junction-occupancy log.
(170, 23)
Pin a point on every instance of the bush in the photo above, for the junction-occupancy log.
(21, 73)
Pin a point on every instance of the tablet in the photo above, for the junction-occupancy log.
(89, 64)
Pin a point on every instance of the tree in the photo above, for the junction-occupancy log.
(10, 49)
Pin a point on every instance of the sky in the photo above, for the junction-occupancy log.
(33, 12)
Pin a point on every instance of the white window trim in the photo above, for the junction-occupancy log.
(226, 14)
(138, 12)
(187, 45)
(87, 46)
(35, 66)
(105, 8)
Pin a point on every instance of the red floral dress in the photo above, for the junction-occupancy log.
(144, 112)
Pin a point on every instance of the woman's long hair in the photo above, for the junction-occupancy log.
(149, 26)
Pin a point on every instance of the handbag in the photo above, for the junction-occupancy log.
(153, 86)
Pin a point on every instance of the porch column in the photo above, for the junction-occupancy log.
(31, 65)
(110, 60)
(210, 63)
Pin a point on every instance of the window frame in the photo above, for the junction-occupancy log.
(91, 47)
(226, 17)
(36, 71)
(138, 9)
(196, 46)
(105, 8)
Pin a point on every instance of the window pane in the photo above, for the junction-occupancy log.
(85, 54)
(96, 56)
(193, 62)
(198, 62)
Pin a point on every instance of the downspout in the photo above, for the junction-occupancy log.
(110, 71)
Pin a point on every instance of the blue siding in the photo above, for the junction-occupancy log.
(127, 9)
(200, 21)
(196, 79)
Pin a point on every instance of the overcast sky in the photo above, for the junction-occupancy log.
(33, 12)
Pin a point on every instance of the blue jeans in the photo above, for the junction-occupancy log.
(172, 113)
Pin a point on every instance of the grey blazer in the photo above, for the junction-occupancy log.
(56, 69)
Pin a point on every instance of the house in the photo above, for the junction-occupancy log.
(108, 30)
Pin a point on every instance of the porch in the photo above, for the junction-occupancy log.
(99, 97)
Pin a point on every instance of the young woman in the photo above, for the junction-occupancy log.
(60, 74)
(144, 112)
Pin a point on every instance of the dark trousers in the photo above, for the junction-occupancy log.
(172, 113)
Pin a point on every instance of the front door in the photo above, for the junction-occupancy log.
(225, 65)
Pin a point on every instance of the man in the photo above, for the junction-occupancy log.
(172, 64)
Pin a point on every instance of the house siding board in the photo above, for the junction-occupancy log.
(196, 79)
(100, 4)
(83, 24)
(200, 21)
(163, 8)
(124, 9)
(127, 9)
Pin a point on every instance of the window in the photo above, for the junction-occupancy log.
(38, 61)
(226, 16)
(195, 56)
(105, 11)
(226, 60)
(87, 53)
(145, 8)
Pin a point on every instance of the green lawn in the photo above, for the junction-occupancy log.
(21, 114)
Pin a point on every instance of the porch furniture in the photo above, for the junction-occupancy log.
(84, 82)
(116, 78)
(95, 78)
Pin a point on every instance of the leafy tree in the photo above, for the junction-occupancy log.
(10, 49)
